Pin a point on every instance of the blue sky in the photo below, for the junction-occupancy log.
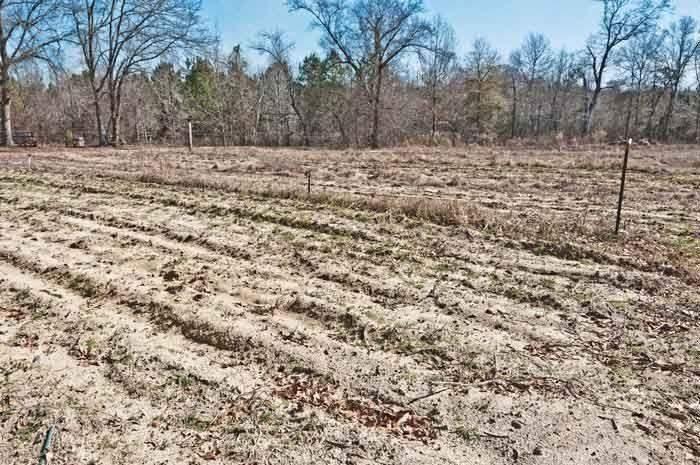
(504, 23)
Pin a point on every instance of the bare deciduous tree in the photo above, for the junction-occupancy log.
(560, 83)
(277, 48)
(678, 50)
(119, 37)
(637, 60)
(622, 20)
(437, 63)
(481, 87)
(29, 30)
(536, 54)
(369, 35)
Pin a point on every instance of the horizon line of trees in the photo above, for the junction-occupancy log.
(385, 75)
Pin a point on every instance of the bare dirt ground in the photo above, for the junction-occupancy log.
(420, 307)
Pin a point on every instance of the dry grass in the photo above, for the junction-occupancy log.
(440, 212)
(423, 306)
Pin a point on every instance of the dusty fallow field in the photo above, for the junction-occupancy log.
(420, 307)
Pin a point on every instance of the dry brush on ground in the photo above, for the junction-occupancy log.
(420, 306)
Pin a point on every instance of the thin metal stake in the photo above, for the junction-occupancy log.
(622, 187)
(43, 456)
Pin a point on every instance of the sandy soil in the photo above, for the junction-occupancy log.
(420, 307)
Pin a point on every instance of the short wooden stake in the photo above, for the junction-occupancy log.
(189, 135)
(622, 187)
(308, 182)
(29, 162)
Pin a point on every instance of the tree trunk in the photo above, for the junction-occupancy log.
(306, 140)
(637, 109)
(433, 112)
(650, 133)
(115, 129)
(628, 119)
(479, 122)
(669, 112)
(374, 137)
(553, 119)
(697, 115)
(590, 108)
(514, 112)
(345, 140)
(115, 114)
(98, 120)
(8, 140)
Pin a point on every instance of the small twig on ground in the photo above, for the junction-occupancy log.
(494, 435)
(427, 396)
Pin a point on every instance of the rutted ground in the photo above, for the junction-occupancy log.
(166, 307)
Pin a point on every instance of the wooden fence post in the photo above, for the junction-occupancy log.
(189, 134)
(622, 187)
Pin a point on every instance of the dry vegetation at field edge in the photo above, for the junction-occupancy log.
(421, 306)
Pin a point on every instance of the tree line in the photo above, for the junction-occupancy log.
(385, 74)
